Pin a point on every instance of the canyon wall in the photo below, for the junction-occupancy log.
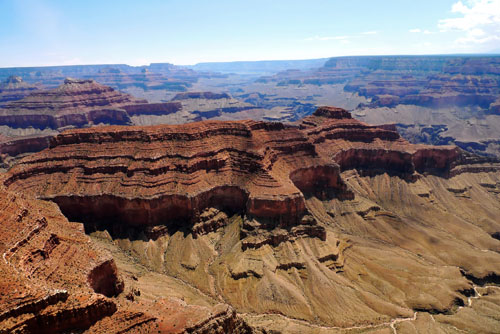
(152, 175)
(279, 221)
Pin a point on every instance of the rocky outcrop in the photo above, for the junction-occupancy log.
(332, 112)
(144, 79)
(76, 103)
(201, 95)
(104, 279)
(372, 149)
(14, 88)
(430, 81)
(146, 176)
(276, 220)
(79, 103)
(119, 76)
(208, 105)
(237, 166)
(435, 82)
(44, 265)
(54, 279)
(157, 109)
(13, 146)
(435, 160)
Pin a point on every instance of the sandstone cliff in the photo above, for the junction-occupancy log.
(178, 171)
(76, 103)
(325, 225)
(46, 262)
(54, 279)
(14, 88)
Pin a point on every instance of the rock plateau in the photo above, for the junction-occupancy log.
(326, 225)
(14, 88)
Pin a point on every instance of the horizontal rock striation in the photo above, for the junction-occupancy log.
(76, 103)
(79, 103)
(153, 108)
(372, 149)
(206, 105)
(174, 172)
(45, 261)
(435, 82)
(14, 88)
(201, 95)
(430, 81)
(164, 175)
(55, 279)
(13, 146)
(268, 217)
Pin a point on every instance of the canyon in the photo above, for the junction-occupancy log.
(225, 198)
(28, 123)
(14, 88)
(458, 95)
(322, 225)
(449, 99)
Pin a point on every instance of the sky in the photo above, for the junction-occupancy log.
(183, 32)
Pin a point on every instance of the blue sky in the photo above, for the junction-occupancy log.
(51, 32)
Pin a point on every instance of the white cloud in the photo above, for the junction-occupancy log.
(415, 30)
(478, 21)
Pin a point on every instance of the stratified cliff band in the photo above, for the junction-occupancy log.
(325, 224)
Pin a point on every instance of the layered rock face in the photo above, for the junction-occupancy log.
(176, 172)
(45, 265)
(325, 225)
(426, 81)
(77, 103)
(457, 94)
(54, 279)
(119, 76)
(145, 80)
(12, 148)
(206, 105)
(240, 166)
(14, 88)
(429, 81)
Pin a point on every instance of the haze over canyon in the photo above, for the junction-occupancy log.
(355, 189)
(189, 200)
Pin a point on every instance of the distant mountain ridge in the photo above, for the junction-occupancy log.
(258, 67)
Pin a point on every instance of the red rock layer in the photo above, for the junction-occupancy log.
(54, 279)
(78, 103)
(151, 175)
(431, 81)
(69, 104)
(45, 264)
(12, 146)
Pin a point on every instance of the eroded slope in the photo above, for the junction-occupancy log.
(329, 225)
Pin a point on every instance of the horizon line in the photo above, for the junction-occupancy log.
(494, 54)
